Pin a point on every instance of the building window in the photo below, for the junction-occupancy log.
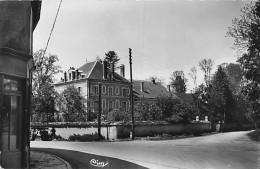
(95, 90)
(117, 104)
(125, 92)
(110, 105)
(110, 91)
(104, 89)
(12, 85)
(103, 104)
(79, 89)
(124, 106)
(117, 90)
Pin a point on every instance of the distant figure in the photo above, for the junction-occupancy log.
(34, 134)
(53, 131)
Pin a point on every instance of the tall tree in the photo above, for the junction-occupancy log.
(206, 66)
(43, 103)
(45, 68)
(221, 100)
(178, 82)
(111, 57)
(193, 75)
(242, 28)
(246, 33)
(43, 90)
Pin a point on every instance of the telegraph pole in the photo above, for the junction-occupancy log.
(99, 110)
(132, 98)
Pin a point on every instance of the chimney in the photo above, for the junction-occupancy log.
(112, 70)
(142, 86)
(169, 88)
(86, 60)
(65, 77)
(122, 70)
(105, 69)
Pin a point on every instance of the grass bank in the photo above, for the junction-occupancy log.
(254, 135)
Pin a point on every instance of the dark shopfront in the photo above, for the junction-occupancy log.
(17, 22)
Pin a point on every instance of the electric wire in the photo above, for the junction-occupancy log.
(52, 28)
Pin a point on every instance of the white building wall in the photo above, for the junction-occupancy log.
(83, 85)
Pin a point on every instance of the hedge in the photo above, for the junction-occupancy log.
(91, 124)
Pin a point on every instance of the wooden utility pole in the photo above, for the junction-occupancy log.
(132, 98)
(99, 110)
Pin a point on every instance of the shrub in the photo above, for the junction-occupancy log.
(85, 137)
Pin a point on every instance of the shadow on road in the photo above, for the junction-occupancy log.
(80, 160)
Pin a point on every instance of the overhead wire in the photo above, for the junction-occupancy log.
(107, 18)
(115, 36)
(52, 28)
(107, 21)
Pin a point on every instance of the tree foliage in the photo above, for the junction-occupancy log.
(243, 29)
(147, 110)
(178, 82)
(45, 68)
(221, 99)
(174, 110)
(206, 66)
(111, 57)
(201, 99)
(43, 93)
(193, 75)
(43, 103)
(235, 76)
(72, 104)
(246, 33)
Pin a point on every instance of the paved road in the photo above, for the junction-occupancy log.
(79, 160)
(232, 150)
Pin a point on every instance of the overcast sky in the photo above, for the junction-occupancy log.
(165, 35)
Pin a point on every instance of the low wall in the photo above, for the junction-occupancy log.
(107, 132)
(123, 131)
(236, 127)
(151, 130)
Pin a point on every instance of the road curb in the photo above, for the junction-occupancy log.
(67, 164)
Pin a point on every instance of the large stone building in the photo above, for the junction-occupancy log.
(115, 89)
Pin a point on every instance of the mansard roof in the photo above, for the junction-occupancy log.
(94, 70)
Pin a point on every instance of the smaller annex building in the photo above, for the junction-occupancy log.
(149, 90)
(115, 89)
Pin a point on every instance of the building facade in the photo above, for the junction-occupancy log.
(18, 20)
(115, 89)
